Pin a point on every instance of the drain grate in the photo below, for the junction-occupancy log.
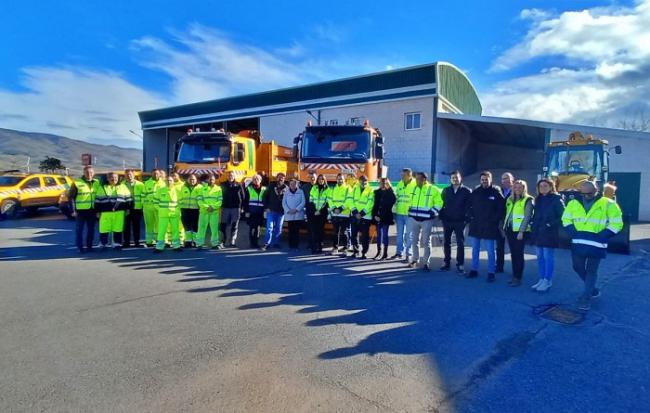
(560, 314)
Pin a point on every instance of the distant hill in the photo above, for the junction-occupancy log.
(16, 146)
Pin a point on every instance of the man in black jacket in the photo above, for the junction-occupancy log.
(454, 215)
(487, 208)
(272, 200)
(233, 198)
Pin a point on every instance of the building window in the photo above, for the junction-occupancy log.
(355, 121)
(333, 122)
(412, 120)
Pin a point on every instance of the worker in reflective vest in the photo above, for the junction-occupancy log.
(426, 203)
(591, 221)
(210, 201)
(254, 209)
(363, 200)
(516, 227)
(179, 184)
(149, 207)
(190, 193)
(403, 193)
(340, 204)
(82, 199)
(169, 215)
(112, 200)
(133, 216)
(319, 196)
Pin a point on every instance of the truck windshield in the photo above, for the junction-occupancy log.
(204, 151)
(576, 160)
(336, 143)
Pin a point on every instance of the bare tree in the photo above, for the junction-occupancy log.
(639, 122)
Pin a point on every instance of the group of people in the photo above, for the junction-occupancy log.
(180, 213)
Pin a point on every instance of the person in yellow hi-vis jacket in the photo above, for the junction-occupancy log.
(169, 215)
(149, 208)
(178, 184)
(190, 192)
(426, 203)
(363, 200)
(210, 200)
(591, 220)
(111, 202)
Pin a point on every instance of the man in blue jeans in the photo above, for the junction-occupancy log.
(486, 212)
(272, 201)
(403, 193)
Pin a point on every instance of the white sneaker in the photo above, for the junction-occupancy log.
(544, 286)
(534, 286)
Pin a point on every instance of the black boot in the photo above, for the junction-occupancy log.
(378, 253)
(385, 255)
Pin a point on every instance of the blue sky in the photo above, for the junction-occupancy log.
(84, 69)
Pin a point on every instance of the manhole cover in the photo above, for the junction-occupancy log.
(559, 314)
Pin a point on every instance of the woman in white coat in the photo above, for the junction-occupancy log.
(293, 204)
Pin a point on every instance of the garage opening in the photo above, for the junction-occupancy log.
(472, 146)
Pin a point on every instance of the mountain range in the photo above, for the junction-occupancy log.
(17, 146)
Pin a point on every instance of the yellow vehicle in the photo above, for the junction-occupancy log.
(580, 158)
(244, 153)
(64, 204)
(334, 149)
(30, 191)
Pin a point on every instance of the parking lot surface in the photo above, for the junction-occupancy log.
(241, 330)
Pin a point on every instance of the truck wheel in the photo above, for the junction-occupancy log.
(9, 208)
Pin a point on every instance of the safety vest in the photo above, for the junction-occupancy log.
(150, 188)
(363, 200)
(137, 193)
(604, 214)
(255, 198)
(86, 192)
(403, 193)
(210, 196)
(340, 197)
(318, 197)
(426, 202)
(179, 185)
(166, 200)
(112, 197)
(190, 196)
(518, 211)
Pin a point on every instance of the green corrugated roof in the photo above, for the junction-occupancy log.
(454, 86)
(392, 79)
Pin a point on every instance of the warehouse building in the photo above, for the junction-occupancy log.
(431, 119)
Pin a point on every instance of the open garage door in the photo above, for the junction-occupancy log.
(476, 143)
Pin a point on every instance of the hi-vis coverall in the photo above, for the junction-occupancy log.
(150, 210)
(209, 197)
(169, 216)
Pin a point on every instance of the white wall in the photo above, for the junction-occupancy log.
(403, 148)
(635, 146)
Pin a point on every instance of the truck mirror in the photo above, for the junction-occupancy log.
(618, 150)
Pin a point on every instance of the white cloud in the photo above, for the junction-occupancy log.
(79, 103)
(605, 67)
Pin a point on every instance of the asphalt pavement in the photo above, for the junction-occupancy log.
(241, 330)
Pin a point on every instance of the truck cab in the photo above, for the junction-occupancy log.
(347, 149)
(216, 152)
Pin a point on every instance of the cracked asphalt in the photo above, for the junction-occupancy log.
(246, 331)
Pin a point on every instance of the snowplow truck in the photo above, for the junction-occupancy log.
(244, 153)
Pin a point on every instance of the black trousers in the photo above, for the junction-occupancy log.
(132, 222)
(517, 248)
(85, 219)
(190, 219)
(254, 222)
(454, 228)
(360, 233)
(587, 270)
(117, 238)
(340, 238)
(317, 229)
(501, 252)
(294, 233)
